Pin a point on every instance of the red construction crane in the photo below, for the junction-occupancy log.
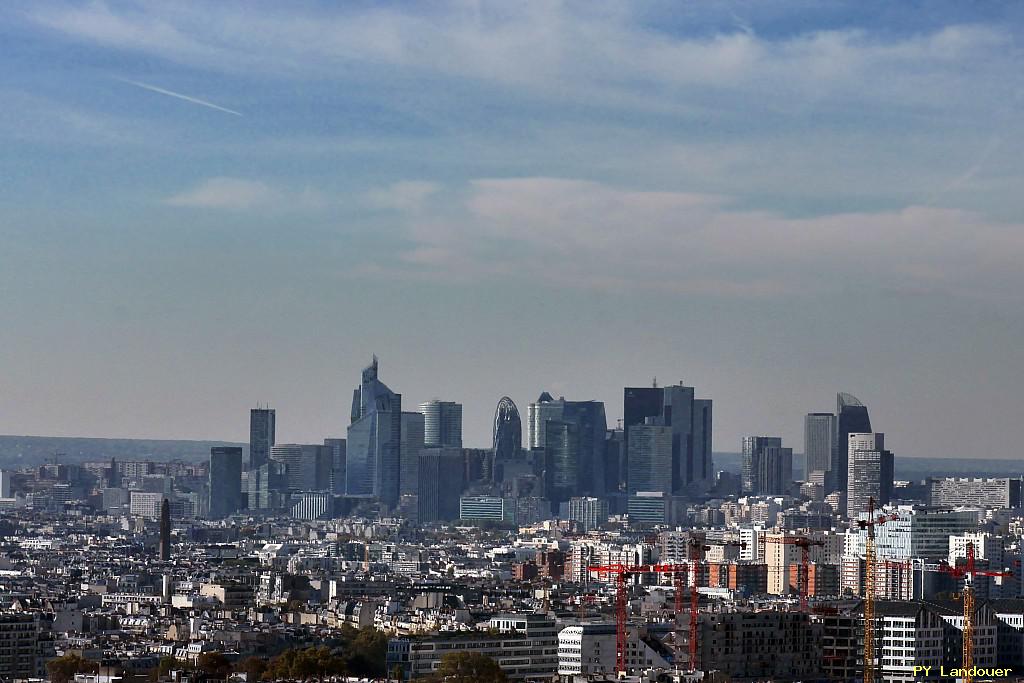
(803, 580)
(621, 572)
(967, 572)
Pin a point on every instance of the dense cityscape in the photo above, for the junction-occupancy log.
(568, 550)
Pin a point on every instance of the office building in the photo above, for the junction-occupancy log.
(648, 507)
(991, 494)
(870, 473)
(442, 424)
(851, 418)
(267, 486)
(525, 646)
(572, 436)
(6, 489)
(767, 467)
(650, 458)
(487, 509)
(314, 505)
(589, 512)
(308, 467)
(690, 420)
(373, 450)
(819, 448)
(337, 450)
(440, 477)
(262, 435)
(146, 504)
(507, 434)
(165, 531)
(914, 532)
(412, 445)
(225, 481)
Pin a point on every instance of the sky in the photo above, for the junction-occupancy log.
(208, 205)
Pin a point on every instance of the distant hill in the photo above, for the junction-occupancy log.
(910, 468)
(26, 451)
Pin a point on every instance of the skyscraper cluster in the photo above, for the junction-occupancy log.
(659, 460)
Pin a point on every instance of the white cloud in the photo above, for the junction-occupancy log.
(559, 48)
(240, 194)
(592, 235)
(406, 195)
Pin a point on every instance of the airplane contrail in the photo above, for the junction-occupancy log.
(171, 93)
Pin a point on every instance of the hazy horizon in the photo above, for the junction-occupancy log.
(208, 206)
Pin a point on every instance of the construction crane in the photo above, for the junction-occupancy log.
(869, 524)
(803, 580)
(620, 572)
(967, 572)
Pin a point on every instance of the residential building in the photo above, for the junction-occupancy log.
(590, 649)
(589, 512)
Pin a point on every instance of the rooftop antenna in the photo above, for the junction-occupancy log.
(654, 382)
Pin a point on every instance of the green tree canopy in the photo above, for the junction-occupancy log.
(469, 667)
(63, 669)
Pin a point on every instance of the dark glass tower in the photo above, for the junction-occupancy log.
(165, 530)
(851, 418)
(690, 419)
(262, 436)
(508, 431)
(225, 481)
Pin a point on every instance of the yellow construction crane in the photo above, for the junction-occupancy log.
(967, 572)
(869, 524)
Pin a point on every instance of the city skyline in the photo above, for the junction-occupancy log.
(206, 207)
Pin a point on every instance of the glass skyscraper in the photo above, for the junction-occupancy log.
(851, 417)
(507, 443)
(572, 434)
(442, 424)
(262, 435)
(225, 480)
(690, 420)
(373, 447)
(819, 447)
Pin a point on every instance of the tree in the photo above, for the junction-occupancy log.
(213, 664)
(253, 668)
(469, 667)
(63, 669)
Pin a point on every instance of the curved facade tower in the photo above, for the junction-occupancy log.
(508, 431)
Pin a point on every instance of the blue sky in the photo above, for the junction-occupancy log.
(207, 205)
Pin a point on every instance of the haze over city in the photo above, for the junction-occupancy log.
(203, 208)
